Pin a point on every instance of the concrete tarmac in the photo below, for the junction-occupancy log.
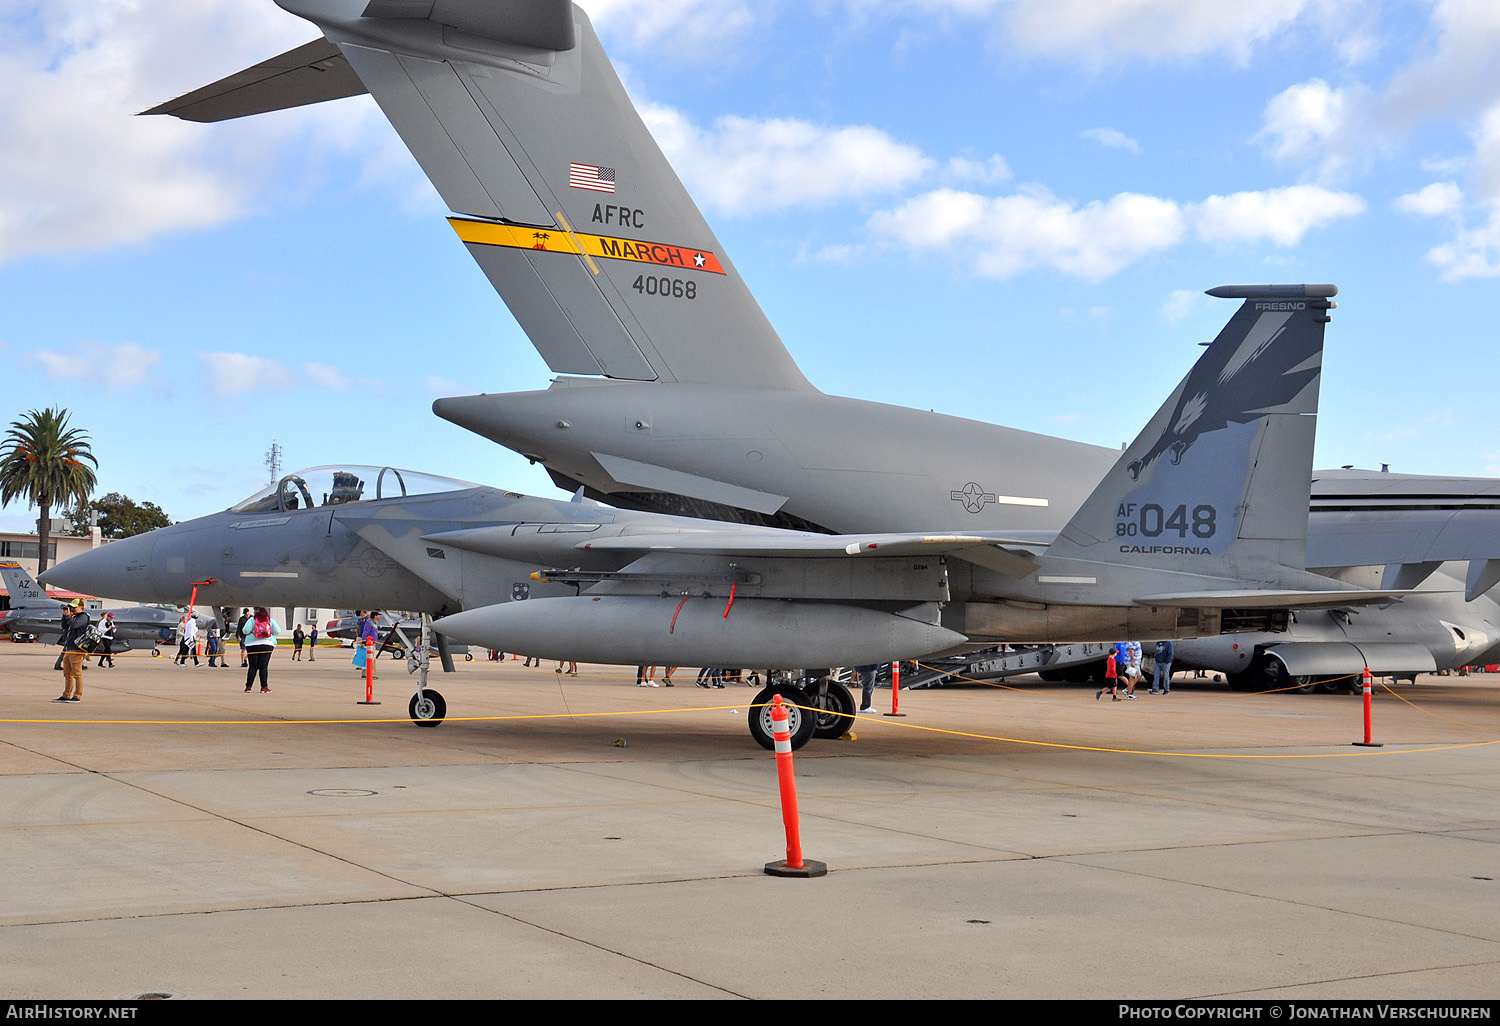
(584, 838)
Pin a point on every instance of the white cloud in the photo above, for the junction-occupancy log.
(978, 172)
(1009, 234)
(1151, 29)
(1472, 253)
(1006, 235)
(80, 171)
(1281, 215)
(1301, 118)
(742, 165)
(325, 376)
(83, 172)
(1113, 139)
(686, 26)
(1439, 199)
(1179, 304)
(120, 366)
(229, 373)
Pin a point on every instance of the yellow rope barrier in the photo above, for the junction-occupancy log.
(737, 707)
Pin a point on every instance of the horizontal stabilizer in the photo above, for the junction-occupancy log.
(311, 73)
(1251, 599)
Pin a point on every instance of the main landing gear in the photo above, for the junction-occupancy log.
(821, 707)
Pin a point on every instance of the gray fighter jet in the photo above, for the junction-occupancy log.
(578, 220)
(1162, 547)
(34, 611)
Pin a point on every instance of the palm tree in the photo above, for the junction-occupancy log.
(42, 461)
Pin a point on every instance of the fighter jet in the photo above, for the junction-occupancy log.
(1159, 549)
(34, 611)
(578, 220)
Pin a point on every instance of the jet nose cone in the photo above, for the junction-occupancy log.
(120, 569)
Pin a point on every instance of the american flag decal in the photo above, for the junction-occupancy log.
(591, 177)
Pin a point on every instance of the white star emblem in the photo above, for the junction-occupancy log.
(697, 259)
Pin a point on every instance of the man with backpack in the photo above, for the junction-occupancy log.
(74, 622)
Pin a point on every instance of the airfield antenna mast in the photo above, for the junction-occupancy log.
(273, 460)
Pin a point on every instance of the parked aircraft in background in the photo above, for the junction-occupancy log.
(692, 405)
(33, 611)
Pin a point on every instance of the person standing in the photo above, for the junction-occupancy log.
(239, 634)
(298, 638)
(105, 651)
(187, 630)
(215, 645)
(866, 676)
(368, 632)
(74, 622)
(259, 640)
(312, 644)
(1161, 679)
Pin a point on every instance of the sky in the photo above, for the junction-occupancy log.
(999, 209)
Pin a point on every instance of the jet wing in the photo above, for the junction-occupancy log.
(1252, 599)
(1011, 554)
(311, 73)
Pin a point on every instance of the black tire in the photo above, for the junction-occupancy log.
(800, 721)
(468, 657)
(1052, 676)
(1242, 682)
(838, 709)
(429, 713)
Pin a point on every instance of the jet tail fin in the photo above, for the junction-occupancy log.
(1218, 481)
(568, 205)
(24, 591)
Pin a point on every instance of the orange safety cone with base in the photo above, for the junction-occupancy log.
(895, 690)
(369, 673)
(794, 865)
(1369, 726)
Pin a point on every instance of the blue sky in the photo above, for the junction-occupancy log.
(999, 209)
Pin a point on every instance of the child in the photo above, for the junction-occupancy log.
(1111, 679)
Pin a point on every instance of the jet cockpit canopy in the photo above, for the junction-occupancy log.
(341, 485)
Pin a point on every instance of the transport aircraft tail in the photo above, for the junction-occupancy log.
(1218, 481)
(25, 593)
(565, 201)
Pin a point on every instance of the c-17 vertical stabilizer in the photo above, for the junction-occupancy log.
(571, 209)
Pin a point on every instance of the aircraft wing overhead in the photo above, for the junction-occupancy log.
(311, 73)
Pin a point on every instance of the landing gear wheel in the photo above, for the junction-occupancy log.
(468, 657)
(800, 722)
(427, 709)
(838, 709)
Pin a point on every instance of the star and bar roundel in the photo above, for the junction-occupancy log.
(560, 240)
